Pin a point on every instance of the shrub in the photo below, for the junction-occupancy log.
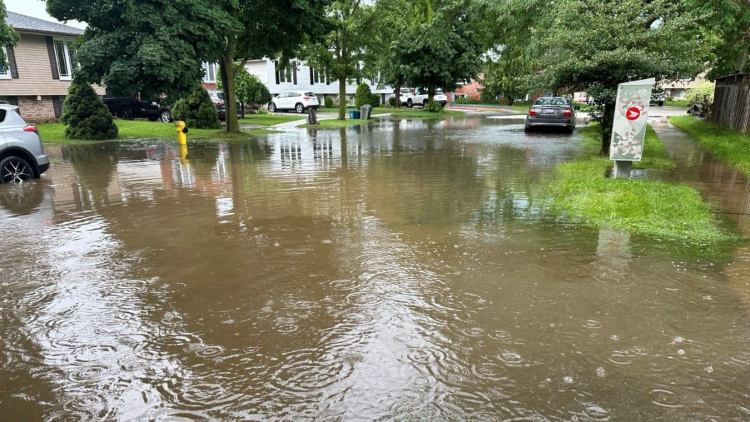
(433, 107)
(375, 100)
(328, 102)
(703, 92)
(363, 96)
(197, 110)
(392, 101)
(85, 115)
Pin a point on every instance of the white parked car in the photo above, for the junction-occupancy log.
(294, 100)
(420, 98)
(406, 94)
(22, 155)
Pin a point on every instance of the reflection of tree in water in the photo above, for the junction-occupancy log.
(95, 166)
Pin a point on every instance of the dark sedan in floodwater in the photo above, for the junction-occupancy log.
(551, 112)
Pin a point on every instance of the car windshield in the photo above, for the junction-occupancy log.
(551, 101)
(309, 94)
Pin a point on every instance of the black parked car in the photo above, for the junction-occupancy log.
(133, 108)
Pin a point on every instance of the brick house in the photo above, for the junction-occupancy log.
(40, 67)
(471, 90)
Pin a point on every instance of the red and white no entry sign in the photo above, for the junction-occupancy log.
(633, 113)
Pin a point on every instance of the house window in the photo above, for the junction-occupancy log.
(65, 55)
(318, 77)
(286, 74)
(209, 73)
(4, 67)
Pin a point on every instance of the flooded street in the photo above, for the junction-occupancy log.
(402, 271)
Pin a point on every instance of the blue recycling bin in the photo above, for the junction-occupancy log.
(354, 114)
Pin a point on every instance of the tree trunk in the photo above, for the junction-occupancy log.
(342, 97)
(608, 119)
(430, 95)
(739, 65)
(230, 95)
(398, 95)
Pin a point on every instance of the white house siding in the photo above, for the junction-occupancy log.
(265, 70)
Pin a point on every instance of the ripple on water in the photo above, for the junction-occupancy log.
(592, 324)
(665, 398)
(307, 371)
(511, 359)
(500, 335)
(204, 396)
(474, 332)
(87, 373)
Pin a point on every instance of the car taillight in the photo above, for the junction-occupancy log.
(30, 128)
(567, 113)
(306, 98)
(532, 113)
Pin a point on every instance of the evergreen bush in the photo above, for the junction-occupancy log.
(363, 96)
(197, 111)
(328, 102)
(85, 115)
(392, 101)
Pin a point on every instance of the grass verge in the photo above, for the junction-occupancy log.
(581, 192)
(728, 146)
(270, 119)
(54, 133)
(655, 154)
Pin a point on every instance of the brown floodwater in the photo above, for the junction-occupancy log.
(402, 271)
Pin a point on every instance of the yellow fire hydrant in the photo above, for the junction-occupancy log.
(182, 131)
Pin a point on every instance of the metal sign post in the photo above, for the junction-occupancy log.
(629, 128)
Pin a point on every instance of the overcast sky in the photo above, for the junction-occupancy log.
(35, 8)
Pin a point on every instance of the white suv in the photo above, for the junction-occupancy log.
(294, 100)
(420, 98)
(21, 152)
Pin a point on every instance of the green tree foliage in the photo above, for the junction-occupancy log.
(153, 46)
(341, 50)
(197, 110)
(85, 115)
(8, 36)
(510, 75)
(250, 90)
(362, 96)
(730, 22)
(148, 47)
(440, 51)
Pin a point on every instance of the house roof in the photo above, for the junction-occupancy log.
(23, 23)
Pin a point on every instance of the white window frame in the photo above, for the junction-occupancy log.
(207, 73)
(6, 66)
(318, 77)
(284, 72)
(68, 62)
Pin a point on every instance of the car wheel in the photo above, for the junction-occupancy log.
(165, 116)
(527, 128)
(299, 108)
(15, 169)
(272, 108)
(409, 104)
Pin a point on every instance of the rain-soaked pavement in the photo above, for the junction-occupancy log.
(402, 271)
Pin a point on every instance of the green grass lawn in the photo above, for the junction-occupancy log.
(580, 192)
(655, 154)
(728, 146)
(270, 119)
(676, 103)
(54, 133)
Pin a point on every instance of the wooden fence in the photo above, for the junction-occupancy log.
(731, 106)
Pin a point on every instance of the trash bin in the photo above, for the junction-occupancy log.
(365, 111)
(353, 114)
(312, 116)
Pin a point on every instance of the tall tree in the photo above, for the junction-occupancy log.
(341, 50)
(380, 54)
(509, 75)
(153, 47)
(441, 50)
(7, 35)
